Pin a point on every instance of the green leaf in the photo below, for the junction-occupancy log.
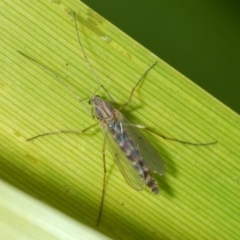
(200, 190)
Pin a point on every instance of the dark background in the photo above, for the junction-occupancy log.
(201, 39)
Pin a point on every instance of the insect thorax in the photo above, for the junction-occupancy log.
(102, 109)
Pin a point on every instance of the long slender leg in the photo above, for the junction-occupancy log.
(174, 139)
(63, 131)
(104, 181)
(134, 88)
(87, 60)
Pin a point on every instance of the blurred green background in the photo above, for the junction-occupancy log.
(201, 39)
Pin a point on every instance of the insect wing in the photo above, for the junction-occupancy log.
(150, 156)
(125, 166)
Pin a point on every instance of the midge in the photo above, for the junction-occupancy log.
(133, 154)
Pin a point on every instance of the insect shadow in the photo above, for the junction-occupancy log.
(134, 155)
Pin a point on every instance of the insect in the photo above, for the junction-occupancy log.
(133, 154)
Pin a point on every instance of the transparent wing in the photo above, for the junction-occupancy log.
(125, 166)
(150, 156)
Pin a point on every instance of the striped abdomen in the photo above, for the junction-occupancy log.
(132, 153)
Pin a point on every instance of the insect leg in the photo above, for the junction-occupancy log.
(57, 77)
(104, 181)
(136, 85)
(63, 131)
(174, 139)
(87, 60)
